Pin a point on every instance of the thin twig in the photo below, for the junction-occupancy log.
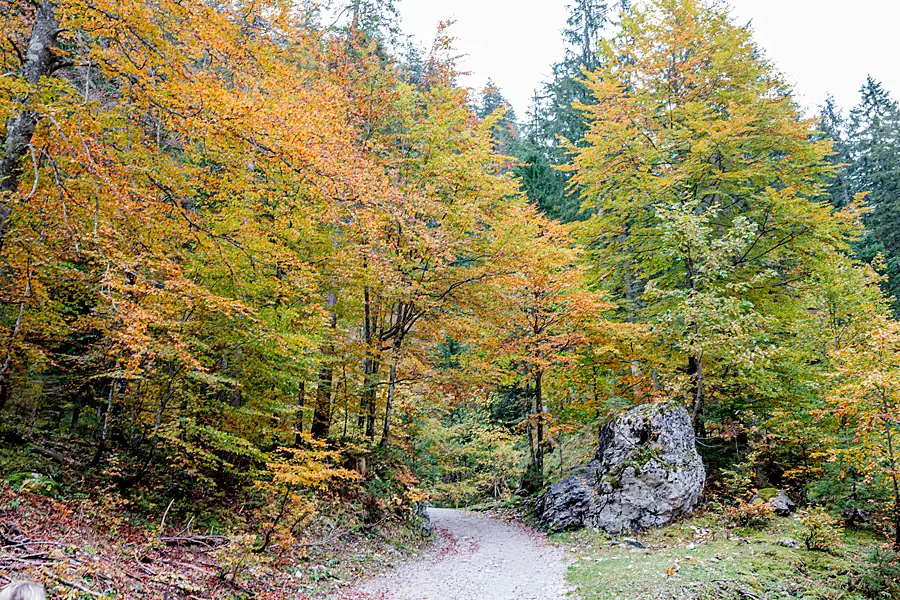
(162, 523)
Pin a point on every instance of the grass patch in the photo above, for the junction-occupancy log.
(700, 558)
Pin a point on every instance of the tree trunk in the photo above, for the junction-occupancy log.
(321, 423)
(301, 402)
(20, 129)
(6, 367)
(354, 23)
(367, 398)
(167, 397)
(539, 428)
(529, 427)
(892, 458)
(695, 369)
(107, 415)
(366, 418)
(695, 362)
(392, 383)
(76, 412)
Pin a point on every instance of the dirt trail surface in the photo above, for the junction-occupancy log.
(476, 557)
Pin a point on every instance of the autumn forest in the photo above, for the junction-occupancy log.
(271, 278)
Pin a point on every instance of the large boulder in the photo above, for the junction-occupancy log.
(646, 472)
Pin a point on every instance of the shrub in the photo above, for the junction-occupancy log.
(736, 483)
(881, 576)
(755, 515)
(821, 532)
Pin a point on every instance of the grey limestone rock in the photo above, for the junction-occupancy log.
(781, 504)
(646, 472)
(420, 519)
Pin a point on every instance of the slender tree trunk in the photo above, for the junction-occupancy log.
(528, 406)
(267, 538)
(76, 411)
(370, 415)
(6, 367)
(20, 129)
(392, 383)
(321, 423)
(371, 366)
(367, 361)
(529, 429)
(892, 458)
(368, 398)
(301, 402)
(539, 410)
(695, 362)
(560, 441)
(386, 429)
(167, 396)
(354, 23)
(107, 415)
(236, 400)
(231, 367)
(696, 365)
(346, 406)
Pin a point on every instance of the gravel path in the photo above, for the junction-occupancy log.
(476, 558)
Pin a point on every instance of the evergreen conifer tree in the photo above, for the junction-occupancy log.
(874, 154)
(554, 123)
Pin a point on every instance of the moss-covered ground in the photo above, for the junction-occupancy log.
(703, 558)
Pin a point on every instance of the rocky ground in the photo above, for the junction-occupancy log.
(476, 557)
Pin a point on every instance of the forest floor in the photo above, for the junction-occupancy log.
(81, 548)
(702, 557)
(476, 557)
(89, 547)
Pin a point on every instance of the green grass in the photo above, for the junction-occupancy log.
(700, 558)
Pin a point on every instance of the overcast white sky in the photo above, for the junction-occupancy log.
(823, 46)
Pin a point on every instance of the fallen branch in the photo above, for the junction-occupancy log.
(76, 586)
(28, 560)
(27, 543)
(53, 455)
(207, 541)
(141, 565)
(332, 536)
(205, 569)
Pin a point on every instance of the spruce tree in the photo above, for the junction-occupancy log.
(505, 133)
(554, 124)
(833, 126)
(874, 154)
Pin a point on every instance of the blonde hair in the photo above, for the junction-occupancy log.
(23, 590)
